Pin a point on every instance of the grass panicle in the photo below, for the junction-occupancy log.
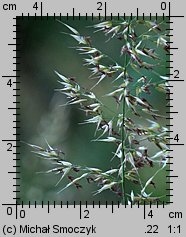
(137, 124)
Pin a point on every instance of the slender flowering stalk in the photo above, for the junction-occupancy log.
(123, 131)
(135, 127)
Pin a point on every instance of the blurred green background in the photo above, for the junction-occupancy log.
(45, 49)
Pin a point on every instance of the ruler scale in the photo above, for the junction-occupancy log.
(58, 218)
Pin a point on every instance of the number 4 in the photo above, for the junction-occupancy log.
(9, 83)
(176, 138)
(35, 6)
(150, 214)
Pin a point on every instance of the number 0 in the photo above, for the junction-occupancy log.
(22, 213)
(163, 6)
(9, 211)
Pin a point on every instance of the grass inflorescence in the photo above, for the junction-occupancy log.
(137, 124)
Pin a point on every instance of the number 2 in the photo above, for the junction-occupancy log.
(86, 213)
(99, 6)
(152, 229)
(9, 146)
(177, 72)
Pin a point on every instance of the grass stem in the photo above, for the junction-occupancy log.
(123, 131)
